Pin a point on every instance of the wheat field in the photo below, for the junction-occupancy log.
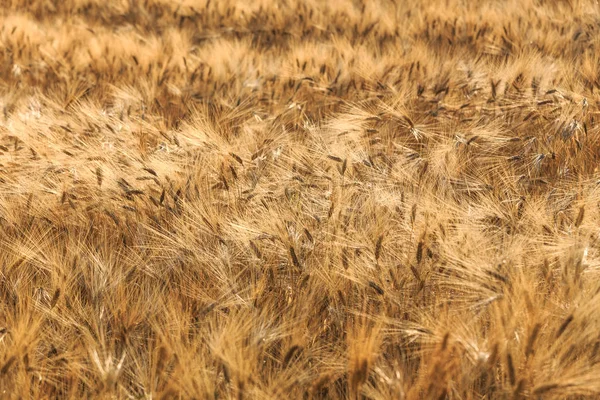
(299, 199)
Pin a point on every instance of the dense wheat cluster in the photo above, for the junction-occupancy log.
(299, 199)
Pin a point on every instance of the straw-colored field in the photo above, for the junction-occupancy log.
(299, 199)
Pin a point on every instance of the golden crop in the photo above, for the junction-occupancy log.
(299, 199)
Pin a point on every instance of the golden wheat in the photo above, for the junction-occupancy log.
(299, 199)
